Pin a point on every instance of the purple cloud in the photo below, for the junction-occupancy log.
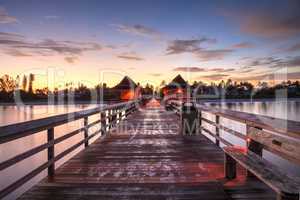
(5, 18)
(189, 69)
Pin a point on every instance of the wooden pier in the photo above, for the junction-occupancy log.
(145, 156)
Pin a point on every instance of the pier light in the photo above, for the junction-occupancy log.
(179, 91)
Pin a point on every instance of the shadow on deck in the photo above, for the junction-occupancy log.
(150, 160)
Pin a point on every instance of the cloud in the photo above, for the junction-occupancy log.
(291, 62)
(183, 46)
(51, 17)
(189, 69)
(193, 46)
(214, 77)
(17, 53)
(268, 26)
(5, 18)
(6, 35)
(130, 56)
(71, 59)
(265, 61)
(271, 77)
(295, 47)
(138, 29)
(217, 54)
(273, 21)
(155, 74)
(46, 47)
(222, 70)
(244, 71)
(198, 69)
(275, 62)
(243, 45)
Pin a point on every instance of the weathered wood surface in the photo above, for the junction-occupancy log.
(264, 170)
(286, 148)
(15, 131)
(284, 127)
(146, 161)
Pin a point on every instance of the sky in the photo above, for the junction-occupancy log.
(150, 40)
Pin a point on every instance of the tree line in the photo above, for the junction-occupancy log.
(23, 88)
(12, 89)
(245, 90)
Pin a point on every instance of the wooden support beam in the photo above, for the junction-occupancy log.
(217, 130)
(103, 123)
(254, 147)
(86, 131)
(110, 119)
(283, 196)
(189, 120)
(230, 167)
(200, 121)
(114, 118)
(51, 153)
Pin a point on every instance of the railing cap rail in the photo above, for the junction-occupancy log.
(18, 130)
(284, 127)
(281, 126)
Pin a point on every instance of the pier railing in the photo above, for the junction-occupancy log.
(281, 137)
(109, 116)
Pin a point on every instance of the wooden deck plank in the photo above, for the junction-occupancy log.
(147, 161)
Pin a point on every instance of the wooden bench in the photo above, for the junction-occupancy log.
(285, 187)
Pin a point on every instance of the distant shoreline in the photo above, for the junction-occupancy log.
(245, 100)
(41, 103)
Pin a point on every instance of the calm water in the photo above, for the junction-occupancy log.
(15, 114)
(12, 114)
(279, 109)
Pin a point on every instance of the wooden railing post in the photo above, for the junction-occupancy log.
(230, 167)
(51, 155)
(113, 118)
(283, 196)
(133, 106)
(103, 122)
(189, 120)
(128, 110)
(118, 115)
(217, 129)
(199, 121)
(86, 131)
(109, 119)
(253, 146)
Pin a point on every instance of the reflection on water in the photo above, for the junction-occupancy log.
(15, 114)
(279, 109)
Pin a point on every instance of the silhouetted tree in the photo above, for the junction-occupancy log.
(163, 83)
(31, 79)
(24, 83)
(7, 83)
